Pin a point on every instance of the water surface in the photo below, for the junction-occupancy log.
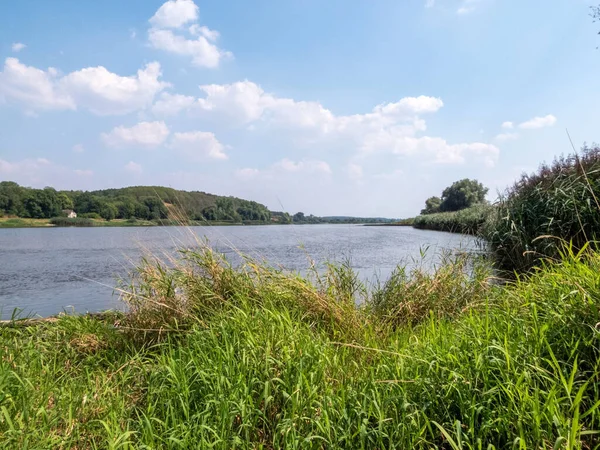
(45, 271)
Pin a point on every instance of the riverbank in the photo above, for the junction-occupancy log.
(212, 356)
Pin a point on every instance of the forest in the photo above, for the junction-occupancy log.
(137, 202)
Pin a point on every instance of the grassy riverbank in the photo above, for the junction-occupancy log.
(12, 222)
(216, 357)
(6, 222)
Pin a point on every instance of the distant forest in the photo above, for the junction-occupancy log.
(147, 203)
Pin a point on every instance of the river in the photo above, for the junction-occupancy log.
(44, 271)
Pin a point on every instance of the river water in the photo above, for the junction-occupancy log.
(44, 271)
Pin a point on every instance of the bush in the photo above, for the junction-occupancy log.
(560, 202)
(71, 222)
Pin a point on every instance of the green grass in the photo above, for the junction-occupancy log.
(13, 222)
(212, 356)
(467, 221)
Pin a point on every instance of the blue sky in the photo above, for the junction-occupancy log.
(337, 107)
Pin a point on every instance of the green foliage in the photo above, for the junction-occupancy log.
(560, 202)
(462, 194)
(261, 359)
(432, 205)
(467, 221)
(139, 202)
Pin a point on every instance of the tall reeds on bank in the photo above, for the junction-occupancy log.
(559, 202)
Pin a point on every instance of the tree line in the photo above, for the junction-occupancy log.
(138, 202)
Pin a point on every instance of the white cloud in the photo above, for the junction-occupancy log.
(144, 134)
(202, 49)
(508, 125)
(94, 88)
(245, 101)
(538, 122)
(17, 47)
(172, 104)
(133, 168)
(104, 92)
(506, 136)
(390, 127)
(174, 14)
(78, 148)
(202, 52)
(33, 88)
(198, 145)
(197, 30)
(83, 173)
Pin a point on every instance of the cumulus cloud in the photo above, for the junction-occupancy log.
(172, 104)
(174, 14)
(78, 148)
(538, 122)
(17, 47)
(389, 127)
(103, 92)
(198, 145)
(94, 88)
(33, 88)
(508, 125)
(201, 46)
(133, 168)
(144, 134)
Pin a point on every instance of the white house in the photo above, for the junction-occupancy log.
(69, 213)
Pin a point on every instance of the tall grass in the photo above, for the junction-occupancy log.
(560, 202)
(467, 221)
(216, 356)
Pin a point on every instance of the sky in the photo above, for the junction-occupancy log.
(337, 107)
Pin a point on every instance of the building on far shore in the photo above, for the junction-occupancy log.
(69, 213)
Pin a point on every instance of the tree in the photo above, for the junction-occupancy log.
(64, 201)
(299, 217)
(109, 211)
(432, 205)
(463, 194)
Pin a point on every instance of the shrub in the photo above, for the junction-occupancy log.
(71, 222)
(560, 202)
